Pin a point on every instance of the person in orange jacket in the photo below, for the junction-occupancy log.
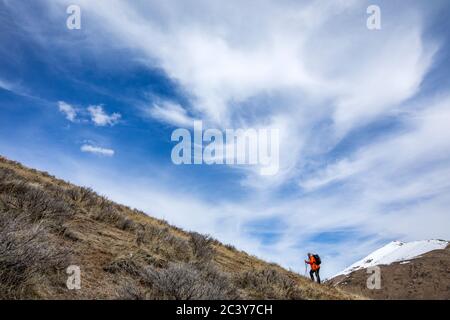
(315, 268)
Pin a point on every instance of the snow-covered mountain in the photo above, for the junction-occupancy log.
(408, 270)
(396, 251)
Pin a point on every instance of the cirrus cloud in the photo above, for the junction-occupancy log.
(97, 150)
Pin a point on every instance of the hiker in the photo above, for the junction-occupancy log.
(314, 262)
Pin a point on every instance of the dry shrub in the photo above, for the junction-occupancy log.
(7, 174)
(124, 223)
(134, 263)
(222, 281)
(108, 213)
(202, 246)
(163, 242)
(33, 202)
(81, 195)
(127, 264)
(71, 234)
(175, 281)
(183, 281)
(151, 234)
(39, 204)
(268, 284)
(130, 290)
(27, 257)
(230, 247)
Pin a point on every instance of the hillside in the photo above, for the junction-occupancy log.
(47, 224)
(413, 270)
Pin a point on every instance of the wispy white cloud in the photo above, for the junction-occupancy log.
(96, 114)
(5, 85)
(100, 118)
(97, 150)
(69, 111)
(16, 88)
(171, 113)
(208, 58)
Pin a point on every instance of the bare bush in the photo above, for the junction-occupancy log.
(230, 247)
(222, 282)
(7, 174)
(125, 223)
(26, 254)
(106, 214)
(81, 195)
(268, 284)
(202, 246)
(130, 290)
(35, 203)
(151, 234)
(71, 234)
(182, 281)
(163, 242)
(134, 263)
(178, 249)
(127, 264)
(39, 205)
(13, 187)
(111, 215)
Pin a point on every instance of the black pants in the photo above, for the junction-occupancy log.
(311, 273)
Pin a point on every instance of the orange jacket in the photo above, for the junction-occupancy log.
(312, 262)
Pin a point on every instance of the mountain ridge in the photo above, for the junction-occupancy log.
(411, 270)
(396, 251)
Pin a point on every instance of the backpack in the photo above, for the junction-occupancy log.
(317, 258)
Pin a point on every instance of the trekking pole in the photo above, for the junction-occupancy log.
(306, 268)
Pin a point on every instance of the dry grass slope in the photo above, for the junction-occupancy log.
(47, 224)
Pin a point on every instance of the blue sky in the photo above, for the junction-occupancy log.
(363, 115)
